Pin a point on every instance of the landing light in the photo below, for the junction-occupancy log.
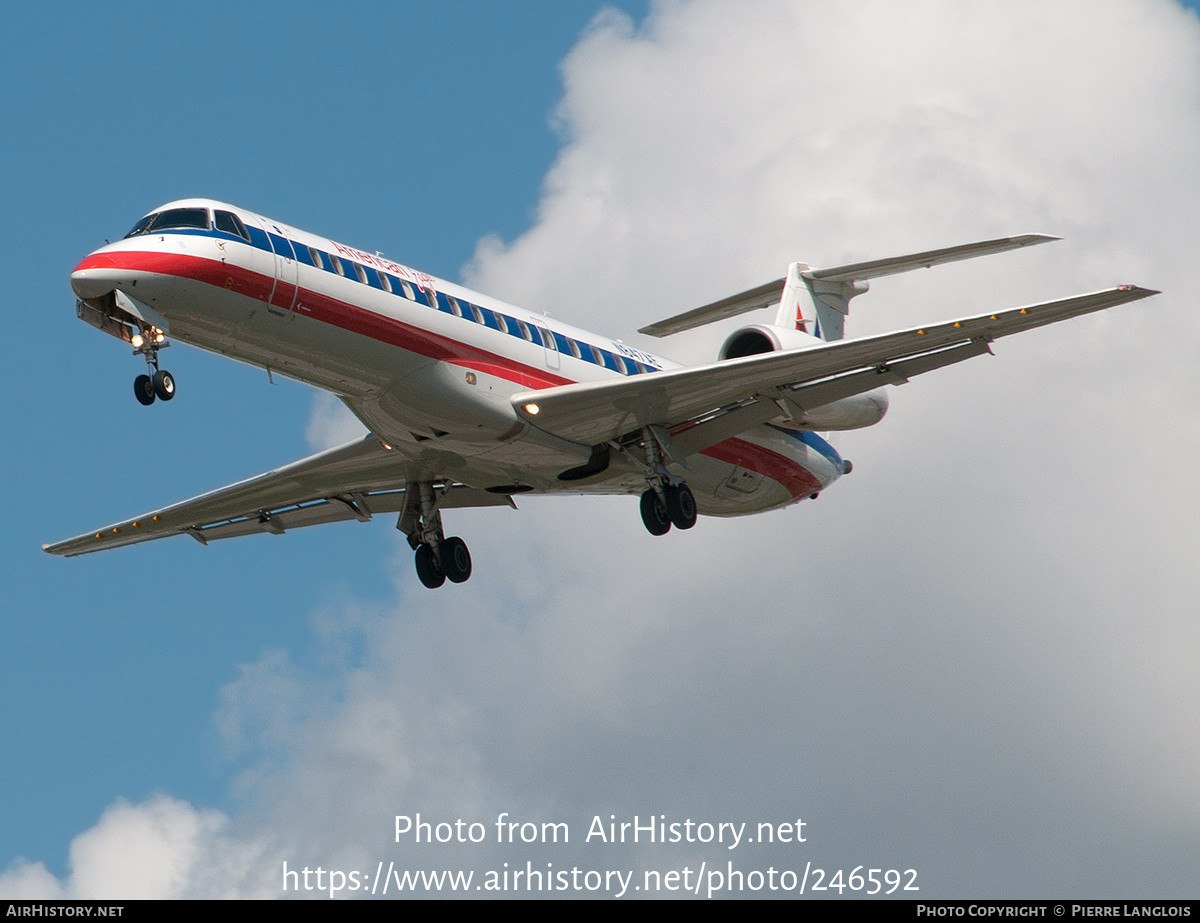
(532, 409)
(137, 340)
(159, 337)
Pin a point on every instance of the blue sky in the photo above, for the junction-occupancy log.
(408, 128)
(976, 656)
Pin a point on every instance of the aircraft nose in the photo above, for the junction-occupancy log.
(96, 275)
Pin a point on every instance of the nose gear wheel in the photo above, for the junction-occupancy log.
(143, 389)
(164, 385)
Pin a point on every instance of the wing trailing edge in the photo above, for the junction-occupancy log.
(679, 399)
(355, 481)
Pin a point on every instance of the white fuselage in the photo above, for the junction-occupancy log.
(427, 365)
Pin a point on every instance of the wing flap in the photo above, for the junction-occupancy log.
(355, 481)
(596, 412)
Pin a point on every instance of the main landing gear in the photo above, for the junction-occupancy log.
(438, 558)
(666, 502)
(675, 507)
(159, 382)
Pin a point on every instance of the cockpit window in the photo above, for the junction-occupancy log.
(141, 226)
(231, 224)
(172, 219)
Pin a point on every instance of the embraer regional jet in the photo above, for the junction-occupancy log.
(470, 401)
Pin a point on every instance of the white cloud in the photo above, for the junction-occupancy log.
(331, 423)
(161, 848)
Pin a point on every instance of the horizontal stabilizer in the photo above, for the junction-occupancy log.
(873, 269)
(764, 296)
(768, 295)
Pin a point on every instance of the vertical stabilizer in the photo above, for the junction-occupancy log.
(831, 302)
(791, 301)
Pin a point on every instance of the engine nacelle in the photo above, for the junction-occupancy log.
(848, 413)
(764, 338)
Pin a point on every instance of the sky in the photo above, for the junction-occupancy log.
(974, 657)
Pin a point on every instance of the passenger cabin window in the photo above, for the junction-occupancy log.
(360, 272)
(337, 265)
(315, 255)
(477, 314)
(574, 347)
(231, 224)
(455, 306)
(501, 322)
(521, 325)
(408, 292)
(620, 364)
(386, 281)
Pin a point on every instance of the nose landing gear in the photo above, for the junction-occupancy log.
(159, 382)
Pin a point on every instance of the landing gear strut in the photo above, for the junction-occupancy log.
(438, 558)
(666, 502)
(159, 382)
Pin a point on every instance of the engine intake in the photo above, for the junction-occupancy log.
(764, 338)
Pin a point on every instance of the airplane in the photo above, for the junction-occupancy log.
(470, 401)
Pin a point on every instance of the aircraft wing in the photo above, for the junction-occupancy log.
(354, 481)
(702, 405)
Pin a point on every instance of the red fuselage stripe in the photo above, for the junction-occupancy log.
(796, 479)
(329, 310)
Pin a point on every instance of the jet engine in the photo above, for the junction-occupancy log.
(765, 338)
(847, 413)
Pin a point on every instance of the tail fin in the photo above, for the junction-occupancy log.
(830, 301)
